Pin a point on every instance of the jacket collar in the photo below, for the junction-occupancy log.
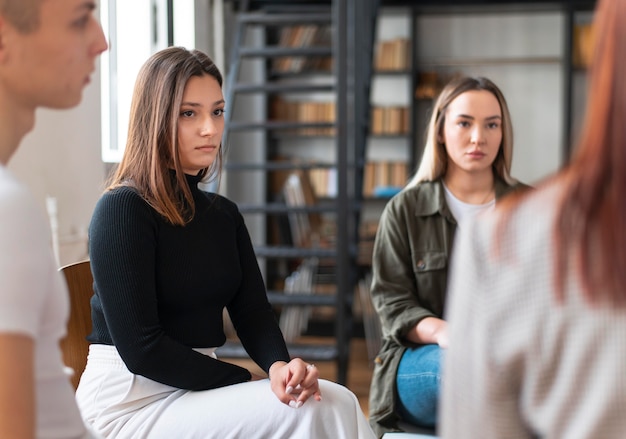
(431, 199)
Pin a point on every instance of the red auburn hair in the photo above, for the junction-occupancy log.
(591, 223)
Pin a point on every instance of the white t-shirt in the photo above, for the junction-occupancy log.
(463, 211)
(34, 301)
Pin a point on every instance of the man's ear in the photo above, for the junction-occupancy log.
(7, 35)
(3, 37)
(2, 27)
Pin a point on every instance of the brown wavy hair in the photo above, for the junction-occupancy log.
(152, 147)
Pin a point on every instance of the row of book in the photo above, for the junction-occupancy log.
(305, 112)
(380, 179)
(384, 178)
(393, 55)
(390, 120)
(385, 120)
(390, 55)
(305, 35)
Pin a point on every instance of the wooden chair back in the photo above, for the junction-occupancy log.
(75, 346)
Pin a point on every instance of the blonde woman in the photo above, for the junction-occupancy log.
(465, 170)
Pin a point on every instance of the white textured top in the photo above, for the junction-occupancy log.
(34, 301)
(521, 365)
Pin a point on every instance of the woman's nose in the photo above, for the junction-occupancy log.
(208, 127)
(478, 135)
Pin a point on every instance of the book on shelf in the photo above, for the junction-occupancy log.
(299, 192)
(304, 35)
(378, 120)
(324, 182)
(396, 119)
(323, 38)
(389, 120)
(305, 112)
(384, 178)
(392, 55)
(582, 50)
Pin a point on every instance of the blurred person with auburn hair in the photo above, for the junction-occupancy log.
(538, 289)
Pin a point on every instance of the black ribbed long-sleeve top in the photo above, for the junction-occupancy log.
(160, 289)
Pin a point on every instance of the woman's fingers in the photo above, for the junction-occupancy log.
(301, 383)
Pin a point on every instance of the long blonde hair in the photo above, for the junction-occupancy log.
(152, 147)
(434, 162)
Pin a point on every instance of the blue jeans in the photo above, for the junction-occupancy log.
(417, 382)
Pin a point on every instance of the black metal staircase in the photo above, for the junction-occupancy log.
(352, 24)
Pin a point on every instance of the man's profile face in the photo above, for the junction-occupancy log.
(50, 65)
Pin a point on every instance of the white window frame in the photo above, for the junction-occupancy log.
(135, 30)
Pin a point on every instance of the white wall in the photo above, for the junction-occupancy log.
(61, 158)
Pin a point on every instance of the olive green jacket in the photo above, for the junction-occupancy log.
(410, 268)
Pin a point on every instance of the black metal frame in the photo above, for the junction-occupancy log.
(353, 24)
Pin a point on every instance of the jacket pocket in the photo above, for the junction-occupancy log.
(431, 272)
(430, 261)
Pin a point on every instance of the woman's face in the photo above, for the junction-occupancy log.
(200, 123)
(472, 131)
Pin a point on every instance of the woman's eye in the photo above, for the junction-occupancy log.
(187, 113)
(463, 123)
(219, 112)
(493, 125)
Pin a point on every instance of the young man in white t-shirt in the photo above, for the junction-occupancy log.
(48, 50)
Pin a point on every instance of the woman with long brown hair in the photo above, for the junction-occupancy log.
(537, 317)
(167, 258)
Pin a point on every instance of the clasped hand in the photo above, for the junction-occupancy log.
(294, 382)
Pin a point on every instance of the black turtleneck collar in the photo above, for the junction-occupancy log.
(192, 180)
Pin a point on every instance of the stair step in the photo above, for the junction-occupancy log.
(276, 18)
(283, 88)
(301, 299)
(277, 166)
(305, 351)
(276, 125)
(293, 252)
(279, 51)
(283, 208)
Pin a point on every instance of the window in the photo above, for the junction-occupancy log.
(135, 30)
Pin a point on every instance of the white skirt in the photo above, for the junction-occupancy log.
(119, 404)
